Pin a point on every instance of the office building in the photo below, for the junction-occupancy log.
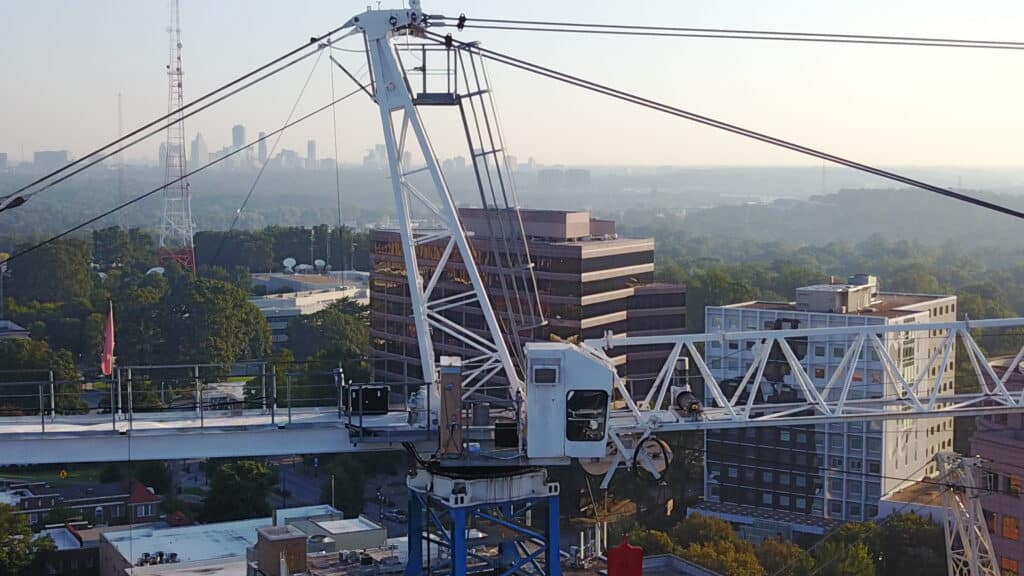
(200, 153)
(791, 479)
(48, 160)
(237, 136)
(589, 281)
(311, 162)
(262, 146)
(999, 440)
(3, 160)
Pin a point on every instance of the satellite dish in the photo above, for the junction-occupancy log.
(155, 270)
(289, 264)
(320, 264)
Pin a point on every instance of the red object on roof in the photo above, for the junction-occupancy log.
(625, 559)
(141, 495)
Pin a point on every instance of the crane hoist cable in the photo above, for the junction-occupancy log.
(714, 123)
(463, 22)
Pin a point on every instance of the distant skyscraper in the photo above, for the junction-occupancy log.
(237, 136)
(163, 154)
(311, 161)
(3, 160)
(49, 159)
(263, 148)
(200, 154)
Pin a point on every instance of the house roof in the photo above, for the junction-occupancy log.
(141, 495)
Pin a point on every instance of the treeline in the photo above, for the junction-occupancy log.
(899, 545)
(264, 250)
(722, 270)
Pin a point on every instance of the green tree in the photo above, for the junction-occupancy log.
(19, 551)
(238, 490)
(153, 474)
(31, 361)
(338, 333)
(653, 542)
(909, 544)
(734, 559)
(842, 559)
(56, 272)
(210, 321)
(700, 529)
(781, 557)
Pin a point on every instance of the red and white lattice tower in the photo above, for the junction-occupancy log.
(176, 228)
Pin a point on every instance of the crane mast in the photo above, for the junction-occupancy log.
(403, 129)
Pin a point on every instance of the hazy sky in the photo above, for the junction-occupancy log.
(65, 61)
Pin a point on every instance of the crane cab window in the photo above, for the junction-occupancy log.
(586, 415)
(545, 375)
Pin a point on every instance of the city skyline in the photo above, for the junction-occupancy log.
(761, 85)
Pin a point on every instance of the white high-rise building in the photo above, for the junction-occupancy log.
(311, 161)
(807, 478)
(200, 154)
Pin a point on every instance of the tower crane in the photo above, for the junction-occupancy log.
(566, 401)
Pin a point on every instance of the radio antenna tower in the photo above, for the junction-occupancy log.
(176, 229)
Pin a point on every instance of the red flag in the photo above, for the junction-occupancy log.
(107, 359)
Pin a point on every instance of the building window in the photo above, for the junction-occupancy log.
(835, 507)
(784, 435)
(766, 499)
(854, 508)
(835, 486)
(801, 504)
(856, 443)
(801, 481)
(1014, 485)
(837, 351)
(733, 472)
(819, 373)
(874, 468)
(836, 442)
(1008, 566)
(767, 476)
(143, 510)
(819, 351)
(784, 501)
(784, 479)
(992, 520)
(1010, 530)
(836, 462)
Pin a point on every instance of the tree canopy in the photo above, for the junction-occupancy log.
(19, 551)
(238, 489)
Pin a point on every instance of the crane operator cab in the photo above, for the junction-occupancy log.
(568, 390)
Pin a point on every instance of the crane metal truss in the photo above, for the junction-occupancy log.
(176, 227)
(754, 401)
(969, 550)
(393, 95)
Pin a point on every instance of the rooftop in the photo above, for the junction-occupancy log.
(889, 305)
(282, 515)
(63, 538)
(349, 525)
(190, 543)
(927, 492)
